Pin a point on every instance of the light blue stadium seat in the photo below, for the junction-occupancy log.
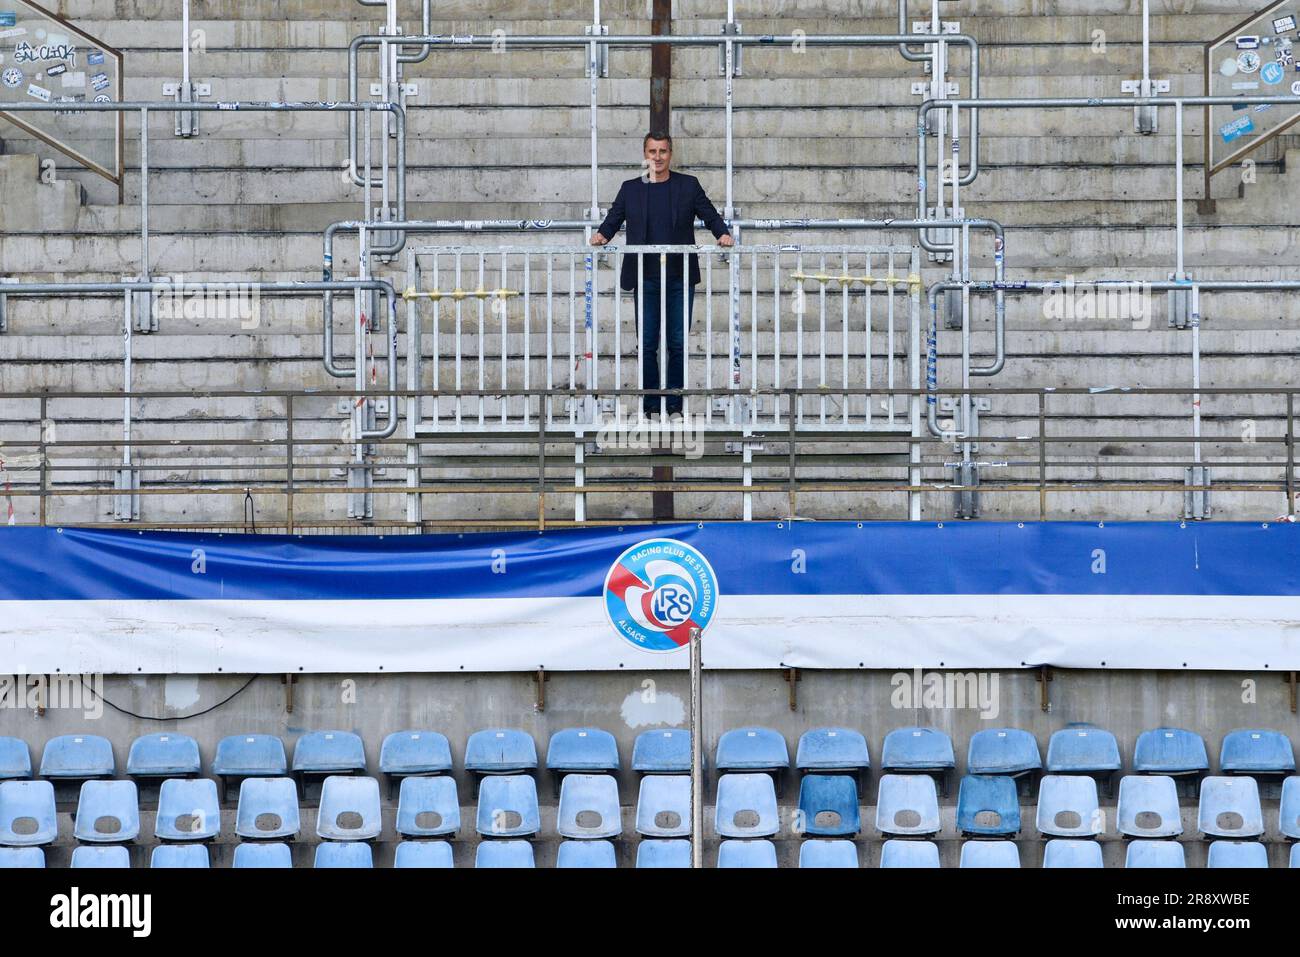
(1155, 854)
(663, 807)
(917, 749)
(15, 759)
(747, 854)
(752, 749)
(1253, 751)
(586, 854)
(114, 855)
(165, 755)
(507, 806)
(504, 854)
(908, 805)
(24, 857)
(1289, 810)
(1068, 852)
(1148, 806)
(268, 808)
(329, 752)
(828, 805)
(349, 809)
(423, 854)
(428, 807)
(249, 756)
(898, 853)
(657, 853)
(180, 855)
(828, 854)
(987, 806)
(1170, 751)
(1295, 855)
(108, 812)
(1068, 806)
(1230, 807)
(582, 749)
(1002, 751)
(1237, 854)
(589, 807)
(663, 751)
(746, 806)
(989, 854)
(415, 752)
(500, 751)
(27, 816)
(188, 810)
(344, 854)
(1082, 749)
(77, 756)
(832, 749)
(263, 855)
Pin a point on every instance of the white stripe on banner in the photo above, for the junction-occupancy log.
(1223, 633)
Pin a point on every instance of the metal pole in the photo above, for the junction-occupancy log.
(144, 193)
(1178, 186)
(185, 45)
(697, 753)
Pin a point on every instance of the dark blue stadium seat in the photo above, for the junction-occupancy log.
(586, 854)
(589, 750)
(249, 756)
(27, 816)
(1256, 752)
(746, 806)
(180, 855)
(329, 752)
(1068, 852)
(907, 805)
(832, 749)
(663, 807)
(828, 805)
(415, 752)
(989, 854)
(428, 807)
(349, 809)
(263, 855)
(1148, 806)
(188, 810)
(900, 853)
(752, 749)
(423, 854)
(589, 807)
(502, 799)
(21, 857)
(747, 854)
(1155, 854)
(1229, 807)
(268, 808)
(1002, 751)
(659, 853)
(166, 755)
(828, 854)
(1170, 751)
(500, 751)
(663, 751)
(15, 759)
(1068, 806)
(1237, 854)
(504, 854)
(108, 812)
(78, 757)
(111, 855)
(1082, 749)
(1289, 809)
(344, 854)
(987, 806)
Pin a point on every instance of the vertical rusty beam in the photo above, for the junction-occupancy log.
(661, 71)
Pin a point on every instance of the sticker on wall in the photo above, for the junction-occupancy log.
(95, 57)
(8, 18)
(1241, 126)
(1272, 73)
(58, 70)
(38, 92)
(1284, 24)
(16, 32)
(1248, 61)
(1261, 107)
(1248, 85)
(99, 81)
(1247, 43)
(12, 77)
(74, 81)
(103, 98)
(1229, 66)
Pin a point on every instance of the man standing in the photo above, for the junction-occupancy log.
(660, 209)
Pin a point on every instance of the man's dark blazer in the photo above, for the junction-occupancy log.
(688, 201)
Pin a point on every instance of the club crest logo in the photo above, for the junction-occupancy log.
(657, 591)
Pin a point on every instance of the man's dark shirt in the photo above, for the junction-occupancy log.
(659, 232)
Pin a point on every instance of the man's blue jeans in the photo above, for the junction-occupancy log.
(652, 317)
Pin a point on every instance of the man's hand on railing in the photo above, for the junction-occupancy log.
(726, 240)
(597, 239)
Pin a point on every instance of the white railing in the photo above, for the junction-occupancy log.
(498, 322)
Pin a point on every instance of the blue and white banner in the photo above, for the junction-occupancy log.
(1222, 596)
